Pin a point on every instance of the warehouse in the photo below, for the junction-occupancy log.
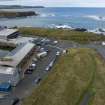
(12, 38)
(16, 59)
(9, 75)
(9, 34)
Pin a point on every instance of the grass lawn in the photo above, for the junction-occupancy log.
(60, 34)
(76, 73)
(98, 86)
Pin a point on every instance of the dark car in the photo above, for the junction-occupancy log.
(47, 50)
(15, 101)
(28, 71)
(37, 80)
(31, 69)
(38, 43)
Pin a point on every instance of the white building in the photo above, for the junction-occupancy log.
(12, 66)
(10, 75)
(8, 34)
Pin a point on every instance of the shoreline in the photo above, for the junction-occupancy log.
(97, 31)
(62, 34)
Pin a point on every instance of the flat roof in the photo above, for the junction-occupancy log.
(6, 32)
(17, 55)
(3, 53)
(6, 70)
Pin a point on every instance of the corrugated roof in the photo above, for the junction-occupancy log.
(6, 70)
(3, 53)
(18, 55)
(6, 32)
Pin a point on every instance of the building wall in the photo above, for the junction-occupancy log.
(24, 64)
(3, 37)
(13, 79)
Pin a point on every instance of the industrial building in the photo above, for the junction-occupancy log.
(12, 37)
(9, 75)
(14, 64)
(8, 33)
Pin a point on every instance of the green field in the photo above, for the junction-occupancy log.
(79, 72)
(60, 34)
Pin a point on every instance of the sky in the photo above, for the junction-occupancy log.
(56, 3)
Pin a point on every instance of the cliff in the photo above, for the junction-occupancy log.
(14, 14)
(18, 7)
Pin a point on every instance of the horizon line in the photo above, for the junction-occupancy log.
(56, 6)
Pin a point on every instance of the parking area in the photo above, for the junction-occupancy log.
(42, 61)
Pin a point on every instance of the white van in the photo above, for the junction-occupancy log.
(42, 54)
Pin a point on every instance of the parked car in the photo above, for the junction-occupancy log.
(35, 60)
(64, 51)
(45, 41)
(57, 53)
(32, 66)
(37, 80)
(47, 68)
(5, 87)
(15, 101)
(38, 43)
(55, 42)
(46, 50)
(42, 54)
(51, 64)
(42, 49)
(103, 43)
(29, 71)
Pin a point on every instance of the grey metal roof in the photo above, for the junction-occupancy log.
(3, 53)
(6, 70)
(6, 32)
(14, 51)
(18, 54)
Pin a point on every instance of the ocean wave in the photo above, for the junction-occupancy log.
(47, 15)
(61, 26)
(94, 17)
(98, 31)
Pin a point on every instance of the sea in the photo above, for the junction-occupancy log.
(89, 18)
